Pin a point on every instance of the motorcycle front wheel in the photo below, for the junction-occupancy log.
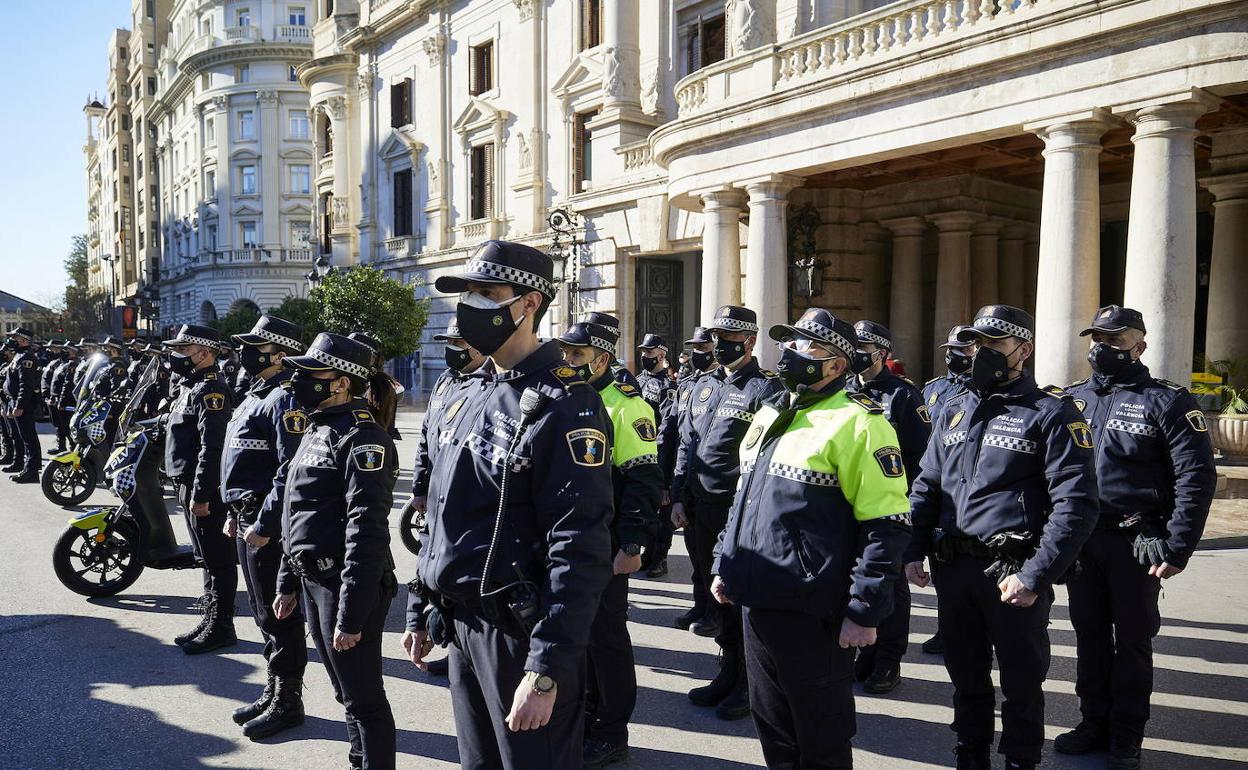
(66, 485)
(408, 530)
(94, 563)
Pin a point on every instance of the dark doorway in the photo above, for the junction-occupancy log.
(660, 302)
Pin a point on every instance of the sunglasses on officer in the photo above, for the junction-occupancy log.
(810, 348)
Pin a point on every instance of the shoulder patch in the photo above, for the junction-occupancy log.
(932, 399)
(769, 374)
(704, 393)
(1196, 419)
(924, 415)
(362, 415)
(441, 386)
(214, 402)
(866, 402)
(453, 410)
(26, 362)
(907, 380)
(567, 376)
(588, 447)
(955, 419)
(627, 389)
(645, 428)
(369, 457)
(929, 382)
(889, 458)
(751, 438)
(1053, 390)
(294, 421)
(210, 376)
(1082, 435)
(1171, 385)
(1076, 384)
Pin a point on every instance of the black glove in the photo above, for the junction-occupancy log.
(440, 631)
(244, 506)
(1150, 551)
(1010, 550)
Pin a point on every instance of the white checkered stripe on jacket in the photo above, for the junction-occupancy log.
(1137, 428)
(1013, 443)
(803, 475)
(494, 454)
(249, 443)
(957, 437)
(736, 414)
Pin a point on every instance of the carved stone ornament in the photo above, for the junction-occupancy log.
(434, 46)
(612, 72)
(525, 7)
(267, 97)
(365, 78)
(336, 107)
(221, 103)
(526, 154)
(750, 25)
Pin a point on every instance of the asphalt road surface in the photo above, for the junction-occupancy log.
(98, 684)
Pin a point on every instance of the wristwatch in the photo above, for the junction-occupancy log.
(542, 684)
(631, 549)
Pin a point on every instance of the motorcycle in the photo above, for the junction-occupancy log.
(71, 476)
(104, 550)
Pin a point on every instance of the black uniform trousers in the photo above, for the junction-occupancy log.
(355, 674)
(8, 442)
(486, 665)
(661, 544)
(892, 637)
(708, 517)
(212, 546)
(1113, 607)
(612, 680)
(28, 440)
(284, 649)
(801, 689)
(975, 623)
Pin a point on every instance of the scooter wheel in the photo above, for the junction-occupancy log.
(66, 485)
(91, 565)
(408, 530)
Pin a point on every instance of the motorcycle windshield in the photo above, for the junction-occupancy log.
(137, 396)
(97, 365)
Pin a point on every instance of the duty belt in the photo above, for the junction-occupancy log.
(305, 567)
(946, 547)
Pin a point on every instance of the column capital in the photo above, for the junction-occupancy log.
(1226, 187)
(988, 227)
(1017, 231)
(1080, 130)
(955, 221)
(770, 186)
(1177, 119)
(906, 227)
(723, 197)
(874, 231)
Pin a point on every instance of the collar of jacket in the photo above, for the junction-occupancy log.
(603, 382)
(197, 375)
(323, 416)
(807, 397)
(749, 368)
(1015, 388)
(546, 356)
(261, 388)
(1136, 376)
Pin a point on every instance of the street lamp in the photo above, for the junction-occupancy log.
(320, 269)
(564, 245)
(807, 270)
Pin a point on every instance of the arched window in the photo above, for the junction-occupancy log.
(207, 312)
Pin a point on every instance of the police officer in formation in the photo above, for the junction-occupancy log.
(194, 442)
(59, 370)
(1004, 501)
(1156, 474)
(336, 535)
(262, 436)
(20, 387)
(657, 388)
(879, 665)
(637, 483)
(618, 369)
(51, 360)
(8, 433)
(112, 381)
(813, 544)
(706, 475)
(519, 606)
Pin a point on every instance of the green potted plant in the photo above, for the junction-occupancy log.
(1228, 425)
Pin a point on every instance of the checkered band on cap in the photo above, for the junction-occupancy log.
(604, 344)
(826, 334)
(1012, 330)
(873, 338)
(341, 364)
(190, 339)
(278, 339)
(511, 274)
(734, 324)
(453, 331)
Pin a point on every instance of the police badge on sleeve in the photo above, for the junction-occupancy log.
(369, 457)
(889, 458)
(588, 446)
(214, 402)
(645, 428)
(294, 421)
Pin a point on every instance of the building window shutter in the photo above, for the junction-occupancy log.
(407, 101)
(489, 180)
(403, 203)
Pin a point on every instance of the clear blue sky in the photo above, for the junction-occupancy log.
(56, 61)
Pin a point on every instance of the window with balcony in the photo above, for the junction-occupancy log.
(401, 103)
(704, 42)
(298, 124)
(591, 23)
(300, 179)
(243, 17)
(242, 73)
(327, 222)
(249, 239)
(327, 136)
(301, 234)
(297, 15)
(481, 182)
(403, 202)
(246, 125)
(247, 180)
(481, 72)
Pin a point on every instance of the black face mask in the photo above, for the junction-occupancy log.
(253, 360)
(1109, 361)
(649, 364)
(728, 352)
(181, 365)
(685, 370)
(799, 370)
(486, 329)
(308, 391)
(701, 361)
(457, 359)
(957, 363)
(861, 361)
(990, 368)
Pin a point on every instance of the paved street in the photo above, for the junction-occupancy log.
(98, 683)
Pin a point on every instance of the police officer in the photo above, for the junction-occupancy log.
(520, 607)
(879, 665)
(674, 430)
(113, 381)
(9, 455)
(1005, 499)
(63, 398)
(262, 436)
(50, 359)
(194, 443)
(233, 373)
(814, 540)
(21, 383)
(336, 536)
(958, 357)
(637, 483)
(1157, 478)
(707, 470)
(618, 369)
(657, 388)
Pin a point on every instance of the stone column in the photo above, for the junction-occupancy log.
(985, 288)
(1031, 251)
(721, 249)
(336, 109)
(621, 72)
(1068, 274)
(953, 275)
(271, 173)
(1012, 267)
(1226, 333)
(875, 269)
(766, 258)
(1161, 234)
(905, 304)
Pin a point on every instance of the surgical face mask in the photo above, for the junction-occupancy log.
(799, 368)
(991, 368)
(253, 360)
(1109, 361)
(309, 391)
(728, 352)
(457, 358)
(956, 362)
(701, 361)
(181, 364)
(649, 363)
(485, 324)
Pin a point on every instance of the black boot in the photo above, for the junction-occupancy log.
(686, 619)
(657, 570)
(1086, 738)
(284, 711)
(12, 468)
(26, 477)
(244, 714)
(935, 645)
(722, 684)
(201, 604)
(737, 704)
(1019, 764)
(710, 624)
(884, 679)
(973, 755)
(218, 631)
(439, 667)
